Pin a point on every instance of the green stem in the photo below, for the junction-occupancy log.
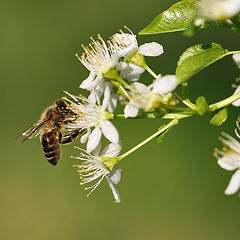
(121, 89)
(170, 124)
(231, 52)
(150, 70)
(186, 102)
(175, 108)
(225, 102)
(153, 116)
(118, 78)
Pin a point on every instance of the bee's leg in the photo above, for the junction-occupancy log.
(68, 121)
(69, 137)
(59, 136)
(58, 124)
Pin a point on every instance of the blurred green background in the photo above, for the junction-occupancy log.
(172, 190)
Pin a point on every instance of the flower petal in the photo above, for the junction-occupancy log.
(234, 184)
(231, 7)
(111, 150)
(88, 81)
(237, 102)
(228, 162)
(132, 72)
(236, 58)
(152, 49)
(116, 175)
(109, 131)
(114, 60)
(96, 151)
(106, 98)
(139, 87)
(84, 137)
(113, 103)
(94, 139)
(130, 110)
(165, 84)
(114, 190)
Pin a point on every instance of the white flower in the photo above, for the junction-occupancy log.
(229, 159)
(126, 43)
(93, 170)
(218, 9)
(92, 116)
(98, 58)
(150, 97)
(236, 59)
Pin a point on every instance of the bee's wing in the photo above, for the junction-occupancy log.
(31, 131)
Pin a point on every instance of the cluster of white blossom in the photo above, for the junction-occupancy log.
(236, 58)
(115, 67)
(229, 156)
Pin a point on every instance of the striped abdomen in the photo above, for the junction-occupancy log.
(50, 144)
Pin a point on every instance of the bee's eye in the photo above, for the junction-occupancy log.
(51, 115)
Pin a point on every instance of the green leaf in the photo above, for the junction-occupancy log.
(219, 118)
(196, 58)
(202, 105)
(176, 18)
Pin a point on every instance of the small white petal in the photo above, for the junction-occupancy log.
(109, 131)
(94, 139)
(114, 60)
(152, 49)
(92, 96)
(132, 72)
(111, 150)
(237, 102)
(165, 84)
(231, 7)
(122, 66)
(130, 110)
(88, 81)
(114, 190)
(84, 138)
(140, 87)
(236, 58)
(234, 183)
(227, 163)
(106, 98)
(116, 175)
(96, 81)
(96, 151)
(113, 103)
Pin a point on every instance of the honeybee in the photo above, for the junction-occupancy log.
(54, 119)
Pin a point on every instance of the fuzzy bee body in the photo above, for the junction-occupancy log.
(54, 119)
(50, 144)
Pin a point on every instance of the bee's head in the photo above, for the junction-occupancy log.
(63, 107)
